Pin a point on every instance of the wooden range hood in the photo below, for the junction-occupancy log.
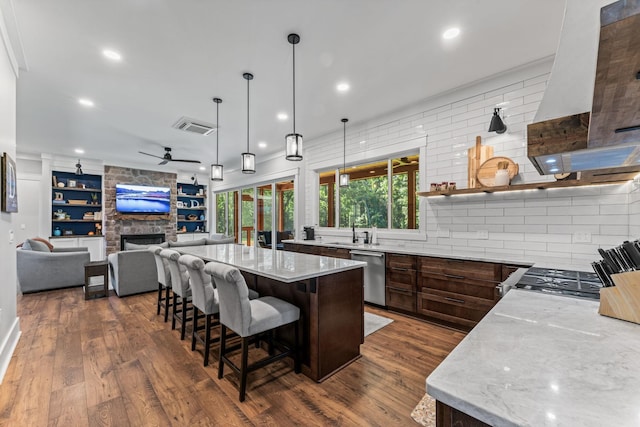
(608, 137)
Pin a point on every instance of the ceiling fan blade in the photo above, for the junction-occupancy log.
(164, 162)
(186, 161)
(152, 155)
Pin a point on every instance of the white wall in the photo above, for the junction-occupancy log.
(9, 323)
(537, 226)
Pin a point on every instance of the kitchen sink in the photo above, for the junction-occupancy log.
(342, 244)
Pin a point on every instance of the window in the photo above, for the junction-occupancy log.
(246, 209)
(369, 200)
(226, 213)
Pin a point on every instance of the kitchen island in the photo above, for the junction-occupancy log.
(541, 360)
(328, 291)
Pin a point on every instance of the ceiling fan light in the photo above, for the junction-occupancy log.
(344, 180)
(248, 163)
(217, 172)
(294, 147)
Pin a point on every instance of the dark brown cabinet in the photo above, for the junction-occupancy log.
(457, 292)
(400, 287)
(303, 249)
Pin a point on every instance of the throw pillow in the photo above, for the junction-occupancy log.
(133, 246)
(46, 242)
(36, 245)
(198, 242)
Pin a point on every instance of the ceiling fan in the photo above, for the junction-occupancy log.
(168, 158)
(403, 161)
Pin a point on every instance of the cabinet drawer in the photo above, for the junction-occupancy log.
(403, 278)
(453, 284)
(461, 268)
(464, 310)
(401, 261)
(335, 252)
(401, 299)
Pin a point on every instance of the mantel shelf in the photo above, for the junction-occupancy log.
(519, 187)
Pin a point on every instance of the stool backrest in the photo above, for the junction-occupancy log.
(162, 267)
(235, 308)
(179, 274)
(203, 294)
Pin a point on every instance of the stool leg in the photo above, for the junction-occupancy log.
(296, 348)
(195, 328)
(167, 304)
(183, 325)
(174, 311)
(223, 348)
(243, 368)
(207, 338)
(159, 298)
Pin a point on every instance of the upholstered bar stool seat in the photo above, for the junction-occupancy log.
(181, 290)
(164, 282)
(205, 301)
(248, 318)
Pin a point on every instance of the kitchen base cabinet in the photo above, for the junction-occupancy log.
(400, 285)
(457, 292)
(446, 416)
(303, 249)
(335, 252)
(95, 244)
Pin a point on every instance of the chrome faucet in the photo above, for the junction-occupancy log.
(354, 237)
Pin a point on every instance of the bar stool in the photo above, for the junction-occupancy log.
(248, 318)
(181, 290)
(164, 282)
(205, 300)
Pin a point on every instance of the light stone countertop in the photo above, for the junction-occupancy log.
(544, 360)
(279, 265)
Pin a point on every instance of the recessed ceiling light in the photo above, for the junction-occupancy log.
(79, 150)
(343, 87)
(262, 144)
(112, 55)
(550, 161)
(451, 33)
(364, 141)
(554, 170)
(283, 116)
(85, 102)
(202, 168)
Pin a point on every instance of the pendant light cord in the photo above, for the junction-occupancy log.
(217, 130)
(294, 88)
(247, 115)
(344, 146)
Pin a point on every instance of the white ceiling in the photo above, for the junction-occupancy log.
(178, 55)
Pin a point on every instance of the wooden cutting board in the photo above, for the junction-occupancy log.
(487, 171)
(477, 155)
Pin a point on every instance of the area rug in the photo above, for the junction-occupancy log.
(373, 322)
(425, 412)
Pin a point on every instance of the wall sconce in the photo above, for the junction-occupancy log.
(497, 125)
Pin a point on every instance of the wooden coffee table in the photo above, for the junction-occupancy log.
(92, 269)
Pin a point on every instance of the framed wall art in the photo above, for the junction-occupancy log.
(9, 184)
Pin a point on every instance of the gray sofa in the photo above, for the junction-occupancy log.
(40, 269)
(134, 271)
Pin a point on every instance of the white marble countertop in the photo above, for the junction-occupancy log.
(544, 360)
(279, 265)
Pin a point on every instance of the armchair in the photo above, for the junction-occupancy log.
(133, 272)
(62, 268)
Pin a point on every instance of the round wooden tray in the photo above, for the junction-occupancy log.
(487, 171)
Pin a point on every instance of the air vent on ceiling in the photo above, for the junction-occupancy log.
(196, 126)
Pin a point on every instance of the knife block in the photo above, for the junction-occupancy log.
(622, 301)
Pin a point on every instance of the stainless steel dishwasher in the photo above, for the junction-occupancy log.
(374, 275)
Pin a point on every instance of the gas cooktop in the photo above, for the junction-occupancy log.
(561, 282)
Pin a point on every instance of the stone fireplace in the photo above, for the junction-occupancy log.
(117, 225)
(141, 239)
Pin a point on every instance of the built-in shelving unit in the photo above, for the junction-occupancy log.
(192, 208)
(520, 187)
(76, 204)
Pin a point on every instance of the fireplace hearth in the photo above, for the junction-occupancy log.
(141, 239)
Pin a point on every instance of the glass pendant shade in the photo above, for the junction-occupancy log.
(294, 146)
(344, 180)
(216, 172)
(79, 168)
(248, 163)
(497, 125)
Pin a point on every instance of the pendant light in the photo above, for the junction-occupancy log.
(497, 125)
(79, 168)
(294, 140)
(217, 168)
(248, 159)
(344, 176)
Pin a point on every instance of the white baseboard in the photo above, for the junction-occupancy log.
(8, 346)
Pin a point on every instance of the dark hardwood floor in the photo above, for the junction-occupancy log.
(114, 362)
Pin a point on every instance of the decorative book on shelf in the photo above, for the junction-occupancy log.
(622, 301)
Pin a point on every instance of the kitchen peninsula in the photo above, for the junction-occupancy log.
(541, 360)
(328, 291)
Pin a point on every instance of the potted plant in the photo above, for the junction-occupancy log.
(94, 198)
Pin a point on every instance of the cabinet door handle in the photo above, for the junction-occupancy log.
(461, 301)
(399, 269)
(453, 276)
(401, 291)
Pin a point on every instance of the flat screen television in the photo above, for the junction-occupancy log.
(142, 199)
